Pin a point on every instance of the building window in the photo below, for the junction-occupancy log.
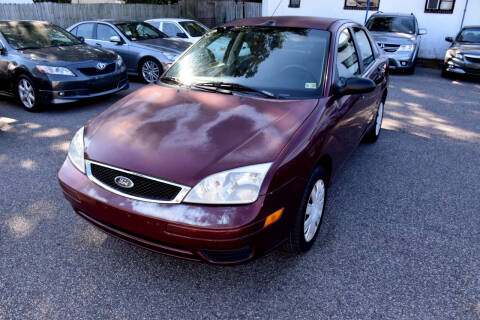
(439, 6)
(361, 4)
(294, 4)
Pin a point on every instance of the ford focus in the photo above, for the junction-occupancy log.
(231, 154)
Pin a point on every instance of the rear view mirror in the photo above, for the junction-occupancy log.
(354, 85)
(421, 32)
(182, 35)
(115, 39)
(449, 39)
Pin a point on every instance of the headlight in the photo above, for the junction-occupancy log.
(454, 53)
(170, 55)
(55, 70)
(119, 62)
(406, 47)
(76, 150)
(237, 186)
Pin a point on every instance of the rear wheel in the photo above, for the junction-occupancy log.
(309, 218)
(27, 94)
(373, 134)
(150, 70)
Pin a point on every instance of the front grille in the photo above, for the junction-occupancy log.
(474, 59)
(387, 47)
(96, 72)
(228, 256)
(143, 187)
(103, 88)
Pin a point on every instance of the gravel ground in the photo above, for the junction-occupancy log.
(400, 239)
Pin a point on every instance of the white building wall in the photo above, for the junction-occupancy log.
(438, 25)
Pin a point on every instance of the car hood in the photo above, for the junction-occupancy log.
(69, 54)
(167, 44)
(394, 37)
(472, 48)
(183, 136)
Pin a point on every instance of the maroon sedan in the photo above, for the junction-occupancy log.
(231, 153)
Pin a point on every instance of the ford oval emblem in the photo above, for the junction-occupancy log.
(101, 66)
(124, 182)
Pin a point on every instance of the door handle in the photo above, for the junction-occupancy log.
(98, 44)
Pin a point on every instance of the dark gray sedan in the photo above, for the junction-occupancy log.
(463, 56)
(147, 52)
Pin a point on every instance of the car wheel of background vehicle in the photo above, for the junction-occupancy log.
(26, 93)
(307, 222)
(150, 70)
(373, 134)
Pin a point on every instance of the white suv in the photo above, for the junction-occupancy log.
(182, 29)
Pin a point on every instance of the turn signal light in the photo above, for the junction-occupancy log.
(273, 217)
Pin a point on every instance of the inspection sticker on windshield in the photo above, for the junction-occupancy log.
(310, 85)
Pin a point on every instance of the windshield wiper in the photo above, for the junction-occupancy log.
(172, 80)
(234, 87)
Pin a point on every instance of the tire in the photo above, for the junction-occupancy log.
(372, 135)
(27, 93)
(150, 70)
(301, 240)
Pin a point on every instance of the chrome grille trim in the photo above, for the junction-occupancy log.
(178, 199)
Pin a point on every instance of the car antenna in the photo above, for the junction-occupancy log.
(278, 6)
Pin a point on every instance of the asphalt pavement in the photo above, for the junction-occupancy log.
(400, 239)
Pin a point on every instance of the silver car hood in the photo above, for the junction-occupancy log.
(394, 37)
(165, 44)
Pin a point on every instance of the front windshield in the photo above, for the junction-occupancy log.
(287, 62)
(137, 31)
(193, 28)
(391, 24)
(35, 35)
(469, 35)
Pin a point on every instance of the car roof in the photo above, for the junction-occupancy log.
(170, 19)
(111, 21)
(471, 27)
(288, 21)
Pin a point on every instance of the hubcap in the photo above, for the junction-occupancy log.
(150, 71)
(314, 210)
(26, 93)
(378, 121)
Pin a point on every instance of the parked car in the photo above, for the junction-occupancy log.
(463, 56)
(181, 29)
(41, 63)
(147, 52)
(399, 36)
(229, 157)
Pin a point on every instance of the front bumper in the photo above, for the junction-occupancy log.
(400, 60)
(56, 90)
(216, 234)
(462, 66)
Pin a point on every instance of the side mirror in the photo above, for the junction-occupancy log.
(182, 35)
(449, 39)
(116, 39)
(82, 39)
(354, 85)
(422, 31)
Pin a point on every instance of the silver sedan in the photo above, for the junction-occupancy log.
(146, 51)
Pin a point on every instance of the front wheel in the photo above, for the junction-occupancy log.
(373, 134)
(309, 218)
(150, 70)
(27, 94)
